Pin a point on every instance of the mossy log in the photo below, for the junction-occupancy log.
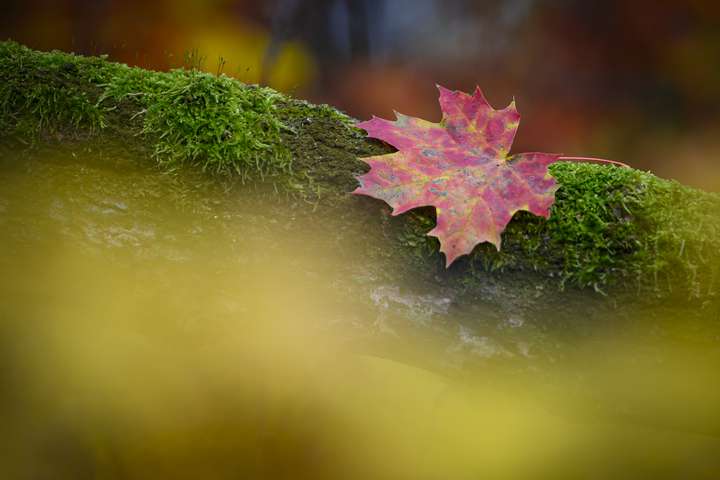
(611, 229)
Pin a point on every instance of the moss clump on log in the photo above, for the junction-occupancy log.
(610, 228)
(189, 117)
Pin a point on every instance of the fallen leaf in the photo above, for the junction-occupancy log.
(462, 167)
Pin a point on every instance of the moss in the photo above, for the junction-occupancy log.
(326, 147)
(42, 93)
(610, 228)
(188, 116)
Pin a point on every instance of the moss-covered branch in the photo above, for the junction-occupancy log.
(610, 227)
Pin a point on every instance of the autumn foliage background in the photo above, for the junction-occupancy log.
(635, 81)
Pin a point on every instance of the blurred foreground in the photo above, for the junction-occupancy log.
(160, 327)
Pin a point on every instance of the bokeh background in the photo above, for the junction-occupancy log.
(636, 81)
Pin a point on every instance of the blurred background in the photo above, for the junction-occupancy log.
(634, 81)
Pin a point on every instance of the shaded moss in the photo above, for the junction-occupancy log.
(610, 228)
(326, 147)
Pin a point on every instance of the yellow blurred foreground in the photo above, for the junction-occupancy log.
(140, 339)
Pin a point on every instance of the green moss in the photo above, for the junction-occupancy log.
(610, 228)
(190, 117)
(42, 93)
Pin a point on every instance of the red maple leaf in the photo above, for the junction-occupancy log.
(462, 167)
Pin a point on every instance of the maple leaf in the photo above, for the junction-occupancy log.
(462, 167)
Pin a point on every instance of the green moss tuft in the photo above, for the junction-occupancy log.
(41, 93)
(609, 228)
(190, 117)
